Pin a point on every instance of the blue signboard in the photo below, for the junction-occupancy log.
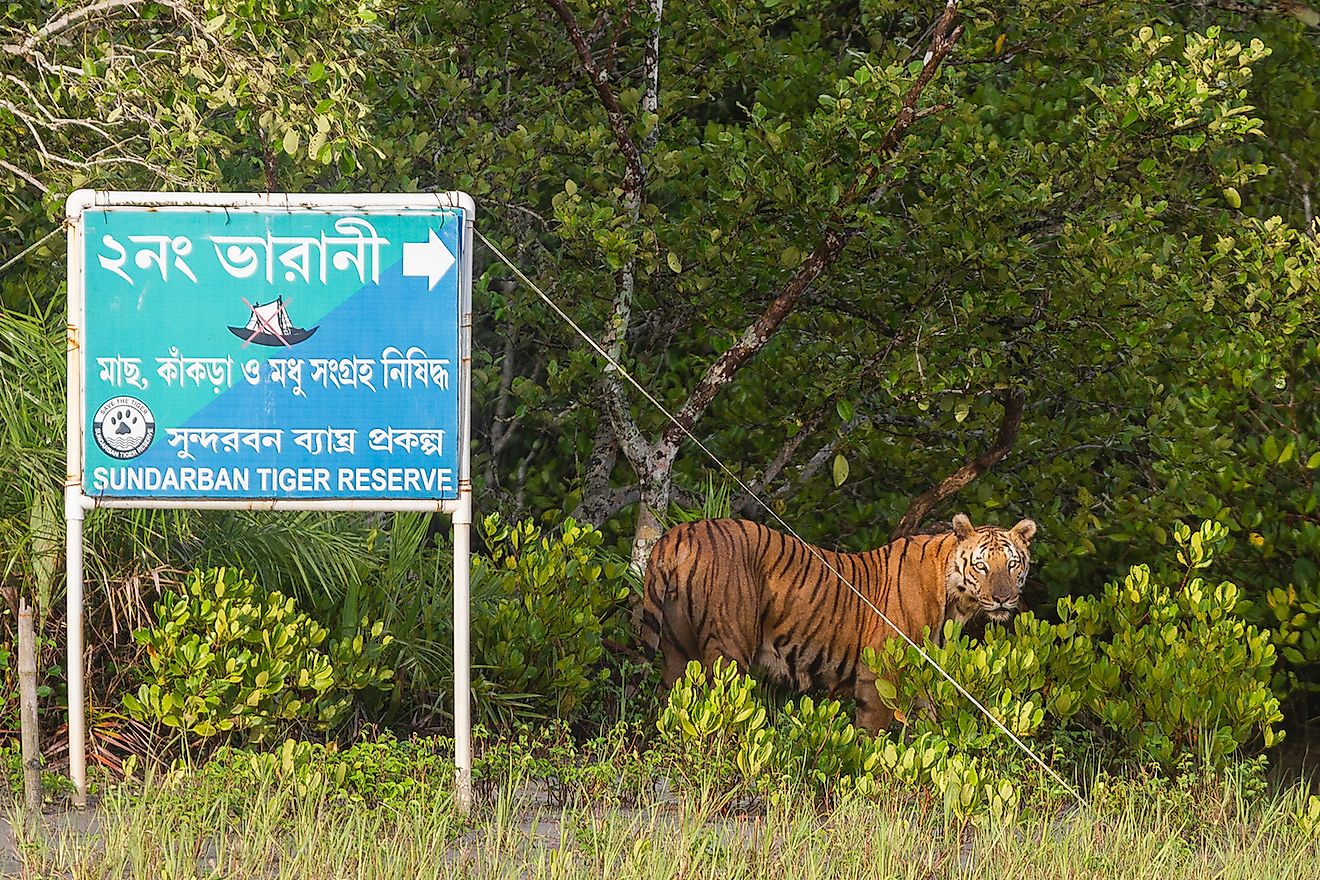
(241, 351)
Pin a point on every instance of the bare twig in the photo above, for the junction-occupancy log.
(19, 172)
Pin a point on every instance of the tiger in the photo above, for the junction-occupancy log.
(766, 600)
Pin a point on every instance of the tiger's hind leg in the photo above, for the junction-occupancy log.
(677, 643)
(675, 661)
(681, 644)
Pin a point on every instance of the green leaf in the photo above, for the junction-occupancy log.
(840, 469)
(291, 141)
(844, 409)
(675, 264)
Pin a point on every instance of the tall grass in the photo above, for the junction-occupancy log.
(185, 826)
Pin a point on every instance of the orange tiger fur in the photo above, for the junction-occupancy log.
(739, 590)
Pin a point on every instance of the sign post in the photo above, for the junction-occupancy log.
(269, 352)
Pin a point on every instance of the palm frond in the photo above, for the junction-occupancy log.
(716, 503)
(312, 555)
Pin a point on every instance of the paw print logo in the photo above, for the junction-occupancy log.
(123, 427)
(123, 421)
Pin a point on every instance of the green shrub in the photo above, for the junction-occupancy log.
(225, 656)
(1293, 614)
(1160, 666)
(716, 727)
(381, 772)
(715, 734)
(543, 606)
(1306, 818)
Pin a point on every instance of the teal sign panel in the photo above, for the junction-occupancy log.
(251, 353)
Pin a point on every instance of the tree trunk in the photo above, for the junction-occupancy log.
(27, 687)
(657, 484)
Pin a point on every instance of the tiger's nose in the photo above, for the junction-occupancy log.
(1003, 592)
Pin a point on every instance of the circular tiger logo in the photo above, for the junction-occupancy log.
(123, 427)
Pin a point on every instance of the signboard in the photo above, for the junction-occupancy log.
(250, 351)
(269, 351)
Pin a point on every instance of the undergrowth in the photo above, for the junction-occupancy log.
(386, 809)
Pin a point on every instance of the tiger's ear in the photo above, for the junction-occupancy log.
(962, 527)
(1026, 530)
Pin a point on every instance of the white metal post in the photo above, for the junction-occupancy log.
(462, 655)
(462, 519)
(73, 517)
(74, 511)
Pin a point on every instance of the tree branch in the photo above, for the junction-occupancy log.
(632, 156)
(1014, 402)
(827, 251)
(651, 74)
(57, 26)
(626, 432)
(597, 504)
(746, 503)
(20, 173)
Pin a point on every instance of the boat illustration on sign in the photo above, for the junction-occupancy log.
(270, 325)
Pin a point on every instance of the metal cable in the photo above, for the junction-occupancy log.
(780, 520)
(30, 248)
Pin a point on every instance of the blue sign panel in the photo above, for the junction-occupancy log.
(252, 353)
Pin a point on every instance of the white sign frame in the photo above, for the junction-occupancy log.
(77, 503)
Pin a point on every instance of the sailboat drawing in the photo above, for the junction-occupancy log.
(270, 325)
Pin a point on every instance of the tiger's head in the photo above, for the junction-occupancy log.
(987, 570)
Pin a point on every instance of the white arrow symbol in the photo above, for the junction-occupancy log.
(429, 259)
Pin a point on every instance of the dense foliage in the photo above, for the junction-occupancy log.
(227, 656)
(550, 603)
(845, 242)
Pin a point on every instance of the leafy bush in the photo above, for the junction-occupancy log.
(716, 726)
(382, 772)
(1159, 667)
(542, 607)
(715, 734)
(1293, 614)
(1307, 818)
(225, 656)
